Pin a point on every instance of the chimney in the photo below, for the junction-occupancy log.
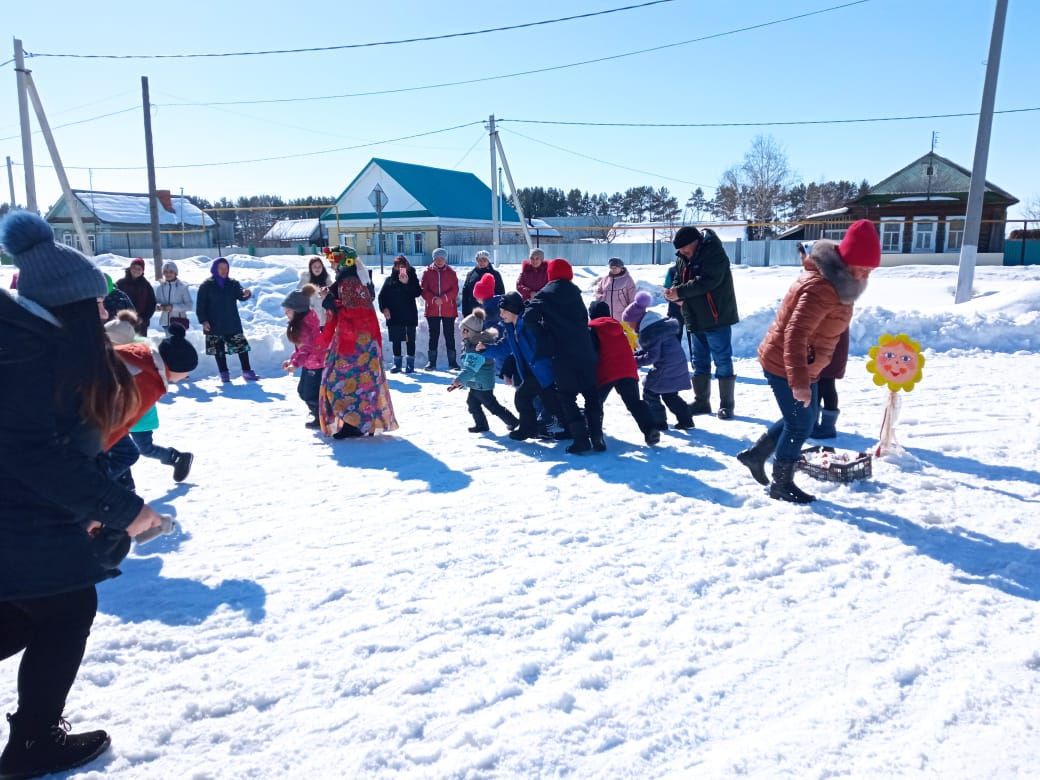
(165, 200)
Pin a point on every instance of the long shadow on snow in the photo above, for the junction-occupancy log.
(143, 594)
(390, 453)
(252, 391)
(1006, 566)
(647, 470)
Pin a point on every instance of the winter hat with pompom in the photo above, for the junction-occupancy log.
(634, 312)
(474, 323)
(484, 288)
(176, 352)
(119, 331)
(559, 269)
(50, 274)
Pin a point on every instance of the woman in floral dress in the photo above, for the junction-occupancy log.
(354, 399)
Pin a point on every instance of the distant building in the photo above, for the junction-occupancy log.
(919, 209)
(299, 232)
(647, 232)
(425, 208)
(120, 222)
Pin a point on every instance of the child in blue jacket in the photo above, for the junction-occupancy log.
(478, 374)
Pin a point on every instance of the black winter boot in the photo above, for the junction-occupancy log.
(701, 394)
(727, 384)
(398, 360)
(432, 364)
(580, 431)
(827, 427)
(35, 752)
(783, 488)
(409, 364)
(182, 465)
(755, 457)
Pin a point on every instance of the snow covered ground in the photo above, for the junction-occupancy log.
(438, 604)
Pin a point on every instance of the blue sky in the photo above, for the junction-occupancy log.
(880, 58)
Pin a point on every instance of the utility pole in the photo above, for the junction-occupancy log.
(495, 221)
(23, 116)
(153, 201)
(516, 197)
(59, 169)
(977, 188)
(10, 179)
(182, 217)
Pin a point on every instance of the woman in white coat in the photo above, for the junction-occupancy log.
(172, 298)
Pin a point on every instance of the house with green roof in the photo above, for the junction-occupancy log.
(424, 208)
(919, 209)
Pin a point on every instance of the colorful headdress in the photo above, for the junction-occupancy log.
(341, 256)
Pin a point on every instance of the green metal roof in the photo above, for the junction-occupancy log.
(442, 193)
(947, 179)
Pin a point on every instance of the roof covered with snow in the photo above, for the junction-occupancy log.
(122, 208)
(292, 230)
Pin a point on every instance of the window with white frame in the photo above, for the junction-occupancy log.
(417, 244)
(954, 234)
(891, 234)
(400, 244)
(67, 239)
(924, 234)
(834, 235)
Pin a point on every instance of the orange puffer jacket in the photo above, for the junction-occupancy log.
(813, 315)
(151, 383)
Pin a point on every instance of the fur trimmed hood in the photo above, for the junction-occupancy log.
(826, 258)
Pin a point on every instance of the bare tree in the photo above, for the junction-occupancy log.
(756, 189)
(1031, 209)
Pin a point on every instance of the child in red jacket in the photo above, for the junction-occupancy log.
(616, 368)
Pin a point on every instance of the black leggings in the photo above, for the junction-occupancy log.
(221, 358)
(399, 333)
(628, 389)
(53, 631)
(828, 389)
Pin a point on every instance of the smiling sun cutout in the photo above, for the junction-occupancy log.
(896, 361)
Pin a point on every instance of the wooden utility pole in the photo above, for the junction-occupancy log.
(153, 200)
(977, 188)
(10, 179)
(23, 116)
(63, 180)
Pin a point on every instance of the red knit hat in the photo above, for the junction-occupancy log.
(861, 246)
(484, 288)
(559, 269)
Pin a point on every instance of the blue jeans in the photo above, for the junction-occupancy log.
(120, 457)
(714, 345)
(794, 427)
(310, 384)
(148, 448)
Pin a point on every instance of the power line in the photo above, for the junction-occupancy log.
(269, 159)
(764, 124)
(548, 69)
(80, 121)
(469, 151)
(611, 164)
(353, 45)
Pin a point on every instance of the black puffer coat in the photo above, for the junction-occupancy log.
(560, 321)
(399, 299)
(474, 276)
(50, 483)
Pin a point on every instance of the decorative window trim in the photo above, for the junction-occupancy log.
(947, 247)
(892, 221)
(934, 232)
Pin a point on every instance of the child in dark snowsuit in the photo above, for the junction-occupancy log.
(617, 369)
(660, 349)
(478, 374)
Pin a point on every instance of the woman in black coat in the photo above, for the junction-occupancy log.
(482, 267)
(61, 389)
(216, 306)
(397, 301)
(139, 290)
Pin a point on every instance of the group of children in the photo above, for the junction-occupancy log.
(550, 349)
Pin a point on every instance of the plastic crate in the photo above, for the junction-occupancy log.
(859, 466)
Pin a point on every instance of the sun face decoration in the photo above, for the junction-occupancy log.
(896, 361)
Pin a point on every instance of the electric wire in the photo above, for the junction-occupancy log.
(765, 124)
(267, 159)
(611, 164)
(469, 151)
(341, 47)
(78, 121)
(533, 71)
